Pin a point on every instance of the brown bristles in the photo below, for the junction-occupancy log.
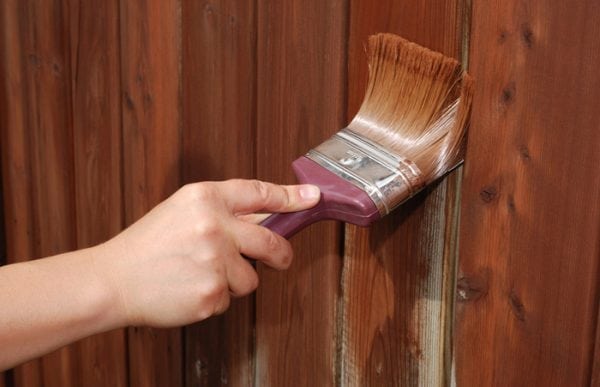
(416, 105)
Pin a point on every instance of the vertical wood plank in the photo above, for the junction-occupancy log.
(219, 78)
(595, 377)
(301, 101)
(96, 100)
(16, 168)
(47, 127)
(3, 97)
(528, 273)
(397, 275)
(150, 61)
(3, 375)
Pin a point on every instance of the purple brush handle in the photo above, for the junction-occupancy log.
(340, 200)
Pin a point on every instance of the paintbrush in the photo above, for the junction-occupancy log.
(408, 132)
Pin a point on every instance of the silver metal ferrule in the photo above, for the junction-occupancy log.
(389, 179)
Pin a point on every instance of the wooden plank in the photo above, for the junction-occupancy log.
(219, 87)
(301, 101)
(528, 274)
(595, 377)
(46, 127)
(96, 101)
(16, 168)
(397, 275)
(3, 261)
(150, 63)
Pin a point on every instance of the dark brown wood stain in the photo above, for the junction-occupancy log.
(151, 125)
(106, 109)
(300, 102)
(537, 323)
(219, 131)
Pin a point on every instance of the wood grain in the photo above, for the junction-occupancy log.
(398, 274)
(16, 163)
(150, 63)
(595, 376)
(528, 274)
(3, 260)
(301, 101)
(44, 119)
(219, 106)
(96, 111)
(3, 374)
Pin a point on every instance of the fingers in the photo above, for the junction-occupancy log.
(247, 196)
(253, 218)
(264, 245)
(241, 276)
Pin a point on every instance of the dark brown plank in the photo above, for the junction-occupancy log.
(96, 101)
(16, 167)
(42, 36)
(3, 375)
(219, 78)
(150, 62)
(397, 275)
(3, 261)
(528, 274)
(301, 101)
(595, 378)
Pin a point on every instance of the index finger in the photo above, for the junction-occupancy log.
(248, 196)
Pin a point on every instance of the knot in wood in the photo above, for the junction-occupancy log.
(471, 288)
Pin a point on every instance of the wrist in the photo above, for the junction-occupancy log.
(110, 306)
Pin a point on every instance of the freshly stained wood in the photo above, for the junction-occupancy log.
(301, 101)
(397, 275)
(595, 378)
(219, 87)
(150, 62)
(528, 274)
(38, 124)
(15, 145)
(96, 136)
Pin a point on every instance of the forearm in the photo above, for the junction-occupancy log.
(48, 303)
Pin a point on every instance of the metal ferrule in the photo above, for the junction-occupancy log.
(388, 178)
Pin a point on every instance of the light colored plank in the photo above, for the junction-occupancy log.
(219, 87)
(301, 101)
(397, 275)
(528, 275)
(150, 65)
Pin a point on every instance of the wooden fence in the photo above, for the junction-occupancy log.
(490, 279)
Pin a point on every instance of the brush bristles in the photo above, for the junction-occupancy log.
(416, 105)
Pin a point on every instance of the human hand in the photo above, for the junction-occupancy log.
(183, 260)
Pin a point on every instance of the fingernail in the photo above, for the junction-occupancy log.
(309, 192)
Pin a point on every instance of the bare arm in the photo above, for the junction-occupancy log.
(179, 264)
